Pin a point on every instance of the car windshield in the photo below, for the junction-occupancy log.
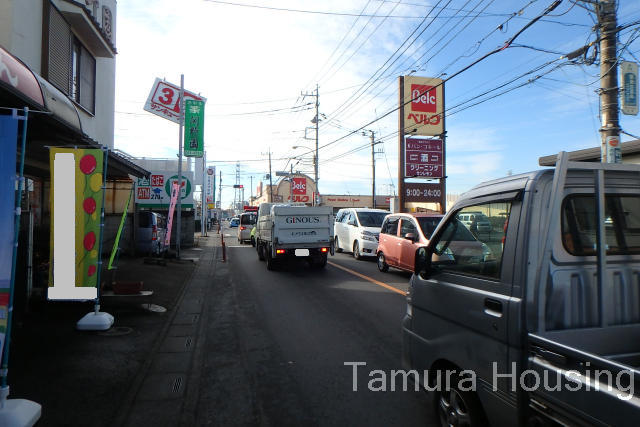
(371, 219)
(428, 224)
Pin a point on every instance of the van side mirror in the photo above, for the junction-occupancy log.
(423, 262)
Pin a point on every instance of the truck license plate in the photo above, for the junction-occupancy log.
(302, 252)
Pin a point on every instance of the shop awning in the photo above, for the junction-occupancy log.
(55, 120)
(18, 79)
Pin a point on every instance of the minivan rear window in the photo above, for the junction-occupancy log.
(145, 219)
(247, 219)
(622, 224)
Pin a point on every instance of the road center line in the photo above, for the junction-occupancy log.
(369, 279)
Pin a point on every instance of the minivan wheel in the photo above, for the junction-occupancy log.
(337, 245)
(382, 263)
(356, 250)
(458, 408)
(253, 241)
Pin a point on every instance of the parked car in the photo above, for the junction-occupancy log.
(247, 222)
(476, 222)
(357, 230)
(234, 222)
(401, 235)
(152, 229)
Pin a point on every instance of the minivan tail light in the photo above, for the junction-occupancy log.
(154, 232)
(243, 228)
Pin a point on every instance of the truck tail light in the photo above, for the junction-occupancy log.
(279, 251)
(154, 232)
(324, 249)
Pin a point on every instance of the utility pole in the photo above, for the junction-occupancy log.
(251, 188)
(610, 130)
(373, 169)
(203, 209)
(270, 181)
(236, 193)
(179, 213)
(220, 195)
(316, 121)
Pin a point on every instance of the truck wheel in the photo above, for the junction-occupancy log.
(271, 263)
(455, 407)
(356, 250)
(337, 245)
(382, 263)
(260, 250)
(319, 262)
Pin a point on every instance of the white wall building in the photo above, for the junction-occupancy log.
(71, 44)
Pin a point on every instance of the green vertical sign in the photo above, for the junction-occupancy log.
(193, 128)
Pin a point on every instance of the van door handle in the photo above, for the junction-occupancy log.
(493, 307)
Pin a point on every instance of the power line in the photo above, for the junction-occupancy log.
(482, 58)
(314, 12)
(316, 78)
(342, 106)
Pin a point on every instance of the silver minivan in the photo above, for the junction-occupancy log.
(150, 234)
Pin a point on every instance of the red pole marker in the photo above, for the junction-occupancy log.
(224, 249)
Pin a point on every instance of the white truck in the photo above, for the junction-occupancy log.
(286, 231)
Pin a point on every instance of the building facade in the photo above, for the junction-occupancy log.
(57, 58)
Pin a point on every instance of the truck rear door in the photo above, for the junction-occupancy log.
(302, 226)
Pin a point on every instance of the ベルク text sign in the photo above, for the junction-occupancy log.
(164, 100)
(423, 158)
(423, 106)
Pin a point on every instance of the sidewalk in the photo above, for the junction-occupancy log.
(120, 376)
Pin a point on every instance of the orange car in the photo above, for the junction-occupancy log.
(401, 235)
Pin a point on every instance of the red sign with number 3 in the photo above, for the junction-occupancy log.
(164, 100)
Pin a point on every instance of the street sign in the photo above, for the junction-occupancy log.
(282, 173)
(629, 87)
(193, 128)
(422, 192)
(423, 106)
(164, 100)
(423, 158)
(614, 152)
(155, 192)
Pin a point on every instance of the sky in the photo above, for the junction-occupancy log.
(253, 64)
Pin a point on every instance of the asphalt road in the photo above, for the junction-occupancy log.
(278, 341)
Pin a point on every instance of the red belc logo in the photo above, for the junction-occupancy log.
(424, 98)
(299, 186)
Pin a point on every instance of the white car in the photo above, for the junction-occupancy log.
(357, 230)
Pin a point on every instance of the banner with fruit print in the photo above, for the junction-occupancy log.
(77, 181)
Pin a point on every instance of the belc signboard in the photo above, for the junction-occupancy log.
(423, 106)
